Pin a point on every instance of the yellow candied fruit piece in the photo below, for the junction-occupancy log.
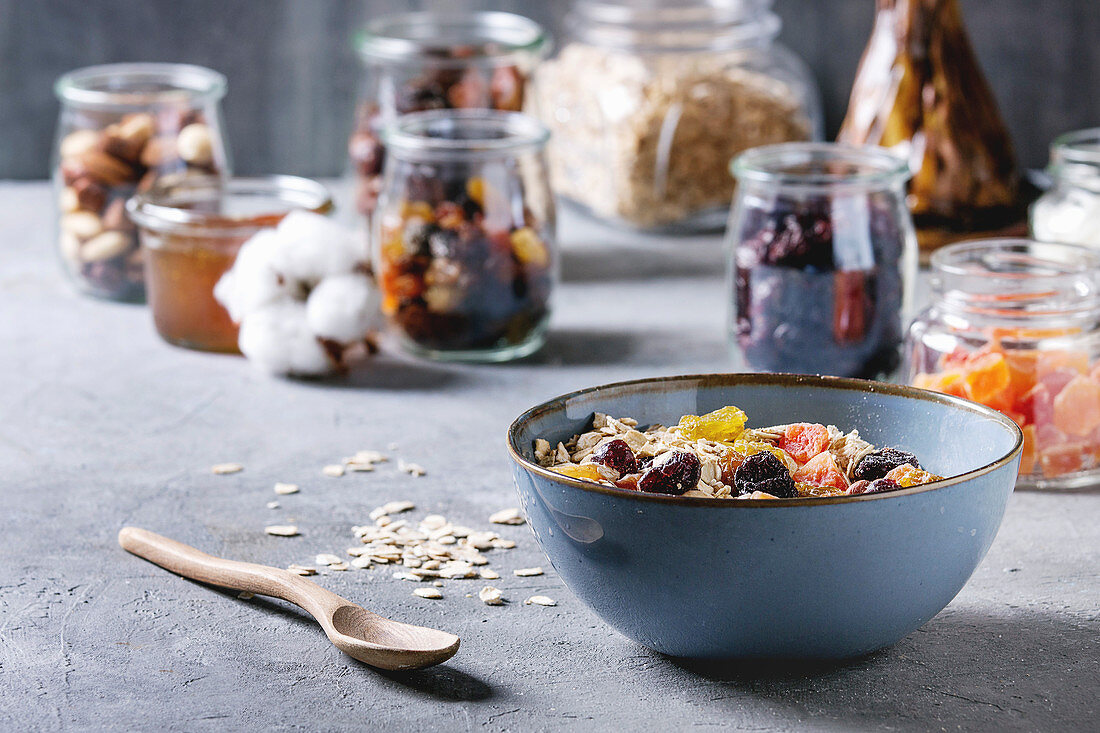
(475, 189)
(907, 475)
(529, 249)
(417, 209)
(584, 471)
(751, 447)
(724, 424)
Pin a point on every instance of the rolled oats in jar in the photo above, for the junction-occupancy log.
(649, 102)
(122, 128)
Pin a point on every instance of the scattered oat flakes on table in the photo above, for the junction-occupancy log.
(491, 596)
(301, 569)
(540, 601)
(284, 489)
(487, 574)
(223, 469)
(511, 516)
(273, 505)
(527, 572)
(413, 469)
(334, 470)
(282, 530)
(432, 593)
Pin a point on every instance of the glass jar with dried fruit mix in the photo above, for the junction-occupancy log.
(190, 233)
(1015, 324)
(649, 100)
(463, 243)
(123, 127)
(822, 259)
(1070, 210)
(436, 60)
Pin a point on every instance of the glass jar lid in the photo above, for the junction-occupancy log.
(139, 86)
(467, 134)
(820, 167)
(452, 39)
(1017, 278)
(662, 26)
(1075, 158)
(211, 206)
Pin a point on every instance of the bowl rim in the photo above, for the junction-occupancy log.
(736, 378)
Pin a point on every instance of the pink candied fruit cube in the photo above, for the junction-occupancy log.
(1077, 407)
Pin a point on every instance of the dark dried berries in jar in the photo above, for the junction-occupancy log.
(671, 473)
(764, 472)
(616, 454)
(879, 463)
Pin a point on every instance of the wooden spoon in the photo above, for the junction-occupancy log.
(355, 631)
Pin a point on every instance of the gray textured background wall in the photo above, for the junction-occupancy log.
(292, 74)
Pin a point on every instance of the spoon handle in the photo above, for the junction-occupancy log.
(197, 565)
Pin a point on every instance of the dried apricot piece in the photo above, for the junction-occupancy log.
(949, 382)
(584, 471)
(822, 470)
(724, 424)
(907, 476)
(804, 440)
(1077, 407)
(987, 378)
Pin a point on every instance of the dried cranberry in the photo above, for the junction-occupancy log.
(764, 472)
(616, 454)
(879, 463)
(672, 473)
(880, 485)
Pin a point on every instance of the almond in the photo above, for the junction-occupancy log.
(105, 168)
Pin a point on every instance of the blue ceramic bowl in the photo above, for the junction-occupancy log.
(824, 578)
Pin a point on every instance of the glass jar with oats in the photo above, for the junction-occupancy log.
(649, 101)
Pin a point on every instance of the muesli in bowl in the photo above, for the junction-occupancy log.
(714, 456)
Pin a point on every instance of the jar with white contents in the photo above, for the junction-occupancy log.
(1070, 211)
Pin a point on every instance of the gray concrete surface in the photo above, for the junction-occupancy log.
(103, 425)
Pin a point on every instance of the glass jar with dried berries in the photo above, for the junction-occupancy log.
(436, 60)
(463, 239)
(822, 259)
(122, 128)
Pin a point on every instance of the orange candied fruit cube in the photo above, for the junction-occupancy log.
(1077, 407)
(1029, 455)
(583, 471)
(804, 440)
(1059, 460)
(907, 475)
(949, 382)
(987, 378)
(822, 470)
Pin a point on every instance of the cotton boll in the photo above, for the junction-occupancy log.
(312, 247)
(253, 281)
(277, 338)
(342, 308)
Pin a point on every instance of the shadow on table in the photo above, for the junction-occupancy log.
(1033, 670)
(604, 347)
(389, 371)
(442, 682)
(608, 264)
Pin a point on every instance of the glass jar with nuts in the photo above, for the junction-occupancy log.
(463, 244)
(649, 100)
(122, 128)
(436, 60)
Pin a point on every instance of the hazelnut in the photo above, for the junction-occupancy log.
(105, 246)
(70, 248)
(81, 224)
(78, 142)
(196, 144)
(67, 200)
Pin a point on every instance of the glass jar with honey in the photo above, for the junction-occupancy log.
(190, 233)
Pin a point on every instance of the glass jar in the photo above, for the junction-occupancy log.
(1070, 210)
(446, 60)
(190, 233)
(463, 240)
(123, 127)
(648, 102)
(822, 257)
(1015, 324)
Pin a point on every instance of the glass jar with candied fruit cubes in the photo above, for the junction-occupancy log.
(463, 239)
(1015, 324)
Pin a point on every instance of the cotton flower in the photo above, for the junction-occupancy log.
(300, 296)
